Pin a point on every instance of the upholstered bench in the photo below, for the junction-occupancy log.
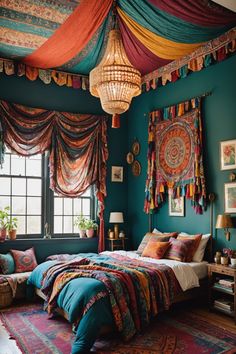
(12, 286)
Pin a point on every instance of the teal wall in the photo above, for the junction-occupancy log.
(219, 114)
(219, 123)
(37, 94)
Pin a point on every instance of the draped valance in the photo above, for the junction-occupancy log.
(175, 155)
(77, 145)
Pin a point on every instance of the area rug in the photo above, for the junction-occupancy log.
(173, 332)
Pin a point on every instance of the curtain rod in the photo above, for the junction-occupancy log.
(205, 94)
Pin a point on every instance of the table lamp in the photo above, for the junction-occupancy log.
(224, 222)
(116, 218)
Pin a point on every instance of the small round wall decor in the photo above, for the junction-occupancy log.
(136, 168)
(130, 158)
(136, 148)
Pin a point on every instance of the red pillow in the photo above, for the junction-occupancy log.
(155, 249)
(179, 249)
(25, 261)
(192, 247)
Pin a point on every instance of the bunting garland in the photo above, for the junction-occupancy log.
(175, 156)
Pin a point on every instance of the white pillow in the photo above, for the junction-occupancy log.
(199, 254)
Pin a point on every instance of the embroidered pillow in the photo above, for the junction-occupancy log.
(25, 261)
(199, 254)
(156, 237)
(192, 248)
(155, 249)
(7, 264)
(178, 249)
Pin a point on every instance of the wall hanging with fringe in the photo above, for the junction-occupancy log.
(175, 162)
(77, 144)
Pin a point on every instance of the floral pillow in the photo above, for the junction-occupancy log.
(7, 264)
(25, 261)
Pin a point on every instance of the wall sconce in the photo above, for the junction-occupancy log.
(224, 222)
(116, 218)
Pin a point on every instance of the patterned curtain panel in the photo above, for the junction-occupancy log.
(77, 144)
(175, 162)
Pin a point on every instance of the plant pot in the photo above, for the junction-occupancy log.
(90, 232)
(12, 234)
(233, 262)
(82, 233)
(3, 234)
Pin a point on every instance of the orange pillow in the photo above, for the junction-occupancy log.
(155, 249)
(194, 246)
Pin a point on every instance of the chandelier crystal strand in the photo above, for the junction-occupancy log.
(115, 81)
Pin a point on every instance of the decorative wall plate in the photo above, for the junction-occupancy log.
(130, 158)
(136, 168)
(136, 148)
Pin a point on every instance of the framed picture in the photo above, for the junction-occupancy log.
(228, 154)
(176, 206)
(117, 174)
(230, 197)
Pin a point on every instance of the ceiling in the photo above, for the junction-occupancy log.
(71, 35)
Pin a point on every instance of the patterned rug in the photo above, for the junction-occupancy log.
(174, 332)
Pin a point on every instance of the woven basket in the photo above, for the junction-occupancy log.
(5, 295)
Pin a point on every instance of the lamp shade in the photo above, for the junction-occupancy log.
(116, 217)
(223, 221)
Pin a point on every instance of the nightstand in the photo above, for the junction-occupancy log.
(222, 289)
(117, 243)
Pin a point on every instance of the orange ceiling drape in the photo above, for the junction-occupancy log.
(71, 37)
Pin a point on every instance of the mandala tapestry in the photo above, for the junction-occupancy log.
(175, 155)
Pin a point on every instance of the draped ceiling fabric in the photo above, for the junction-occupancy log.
(71, 35)
(77, 144)
(175, 156)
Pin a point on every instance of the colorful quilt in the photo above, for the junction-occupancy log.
(136, 290)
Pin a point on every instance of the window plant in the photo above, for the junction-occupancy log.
(91, 225)
(80, 223)
(11, 226)
(4, 216)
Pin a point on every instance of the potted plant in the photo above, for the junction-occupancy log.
(91, 225)
(11, 226)
(4, 215)
(80, 222)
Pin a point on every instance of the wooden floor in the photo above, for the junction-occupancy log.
(8, 346)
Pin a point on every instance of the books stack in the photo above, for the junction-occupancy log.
(226, 285)
(223, 304)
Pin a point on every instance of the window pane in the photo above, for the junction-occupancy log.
(67, 224)
(58, 206)
(67, 206)
(5, 170)
(77, 206)
(5, 186)
(33, 224)
(87, 193)
(18, 205)
(34, 186)
(17, 165)
(18, 186)
(34, 206)
(57, 224)
(86, 206)
(33, 167)
(4, 201)
(21, 224)
(76, 229)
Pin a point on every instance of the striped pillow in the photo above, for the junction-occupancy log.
(156, 237)
(179, 249)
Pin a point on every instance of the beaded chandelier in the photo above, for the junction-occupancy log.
(115, 81)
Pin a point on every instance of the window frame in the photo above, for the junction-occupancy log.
(47, 202)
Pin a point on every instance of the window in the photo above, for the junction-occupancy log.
(24, 186)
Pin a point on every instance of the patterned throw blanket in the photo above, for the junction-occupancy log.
(137, 290)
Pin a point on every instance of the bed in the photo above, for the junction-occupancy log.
(119, 290)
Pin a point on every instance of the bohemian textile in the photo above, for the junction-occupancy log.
(175, 162)
(77, 145)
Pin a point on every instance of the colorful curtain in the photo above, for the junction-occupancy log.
(77, 144)
(175, 156)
